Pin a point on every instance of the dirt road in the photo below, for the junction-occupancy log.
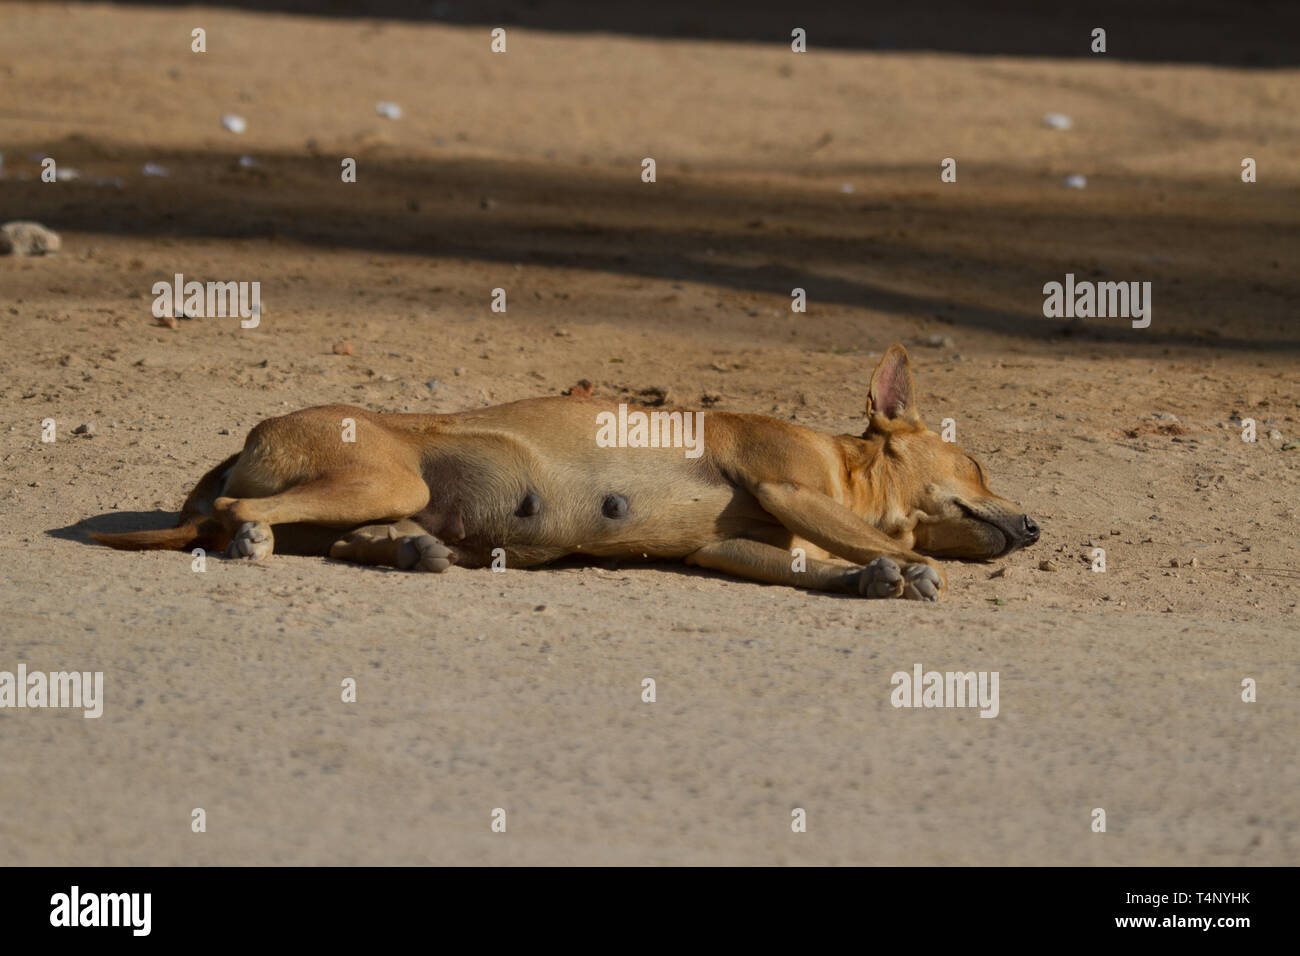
(774, 171)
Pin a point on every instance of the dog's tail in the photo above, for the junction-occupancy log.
(196, 533)
(196, 528)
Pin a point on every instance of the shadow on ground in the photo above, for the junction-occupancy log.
(113, 522)
(1248, 33)
(1210, 251)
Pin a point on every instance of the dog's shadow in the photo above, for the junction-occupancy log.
(114, 522)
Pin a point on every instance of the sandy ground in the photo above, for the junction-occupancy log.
(522, 690)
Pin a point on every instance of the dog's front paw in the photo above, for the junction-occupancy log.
(253, 542)
(424, 552)
(922, 583)
(882, 578)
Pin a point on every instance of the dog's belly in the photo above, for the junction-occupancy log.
(493, 497)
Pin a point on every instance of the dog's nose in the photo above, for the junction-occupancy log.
(1029, 529)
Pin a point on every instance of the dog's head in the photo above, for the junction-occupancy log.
(942, 492)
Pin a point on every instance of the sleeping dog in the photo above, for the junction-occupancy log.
(532, 481)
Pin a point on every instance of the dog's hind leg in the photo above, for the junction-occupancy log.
(828, 524)
(342, 499)
(758, 561)
(403, 544)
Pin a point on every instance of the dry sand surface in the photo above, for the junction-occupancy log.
(1119, 690)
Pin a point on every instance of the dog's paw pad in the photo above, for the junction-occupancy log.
(253, 541)
(880, 579)
(921, 583)
(424, 552)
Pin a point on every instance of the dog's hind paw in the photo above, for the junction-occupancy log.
(424, 552)
(921, 583)
(253, 541)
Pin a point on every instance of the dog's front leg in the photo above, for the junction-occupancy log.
(766, 562)
(758, 561)
(828, 524)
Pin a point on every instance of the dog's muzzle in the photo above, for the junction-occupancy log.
(1020, 532)
(1028, 530)
(1017, 532)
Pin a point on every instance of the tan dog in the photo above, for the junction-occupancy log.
(528, 482)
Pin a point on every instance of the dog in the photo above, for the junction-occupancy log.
(522, 484)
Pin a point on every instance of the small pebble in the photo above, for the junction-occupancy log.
(1076, 182)
(389, 110)
(343, 348)
(1046, 565)
(28, 239)
(233, 123)
(153, 169)
(85, 428)
(1057, 121)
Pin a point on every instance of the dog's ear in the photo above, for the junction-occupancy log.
(892, 395)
